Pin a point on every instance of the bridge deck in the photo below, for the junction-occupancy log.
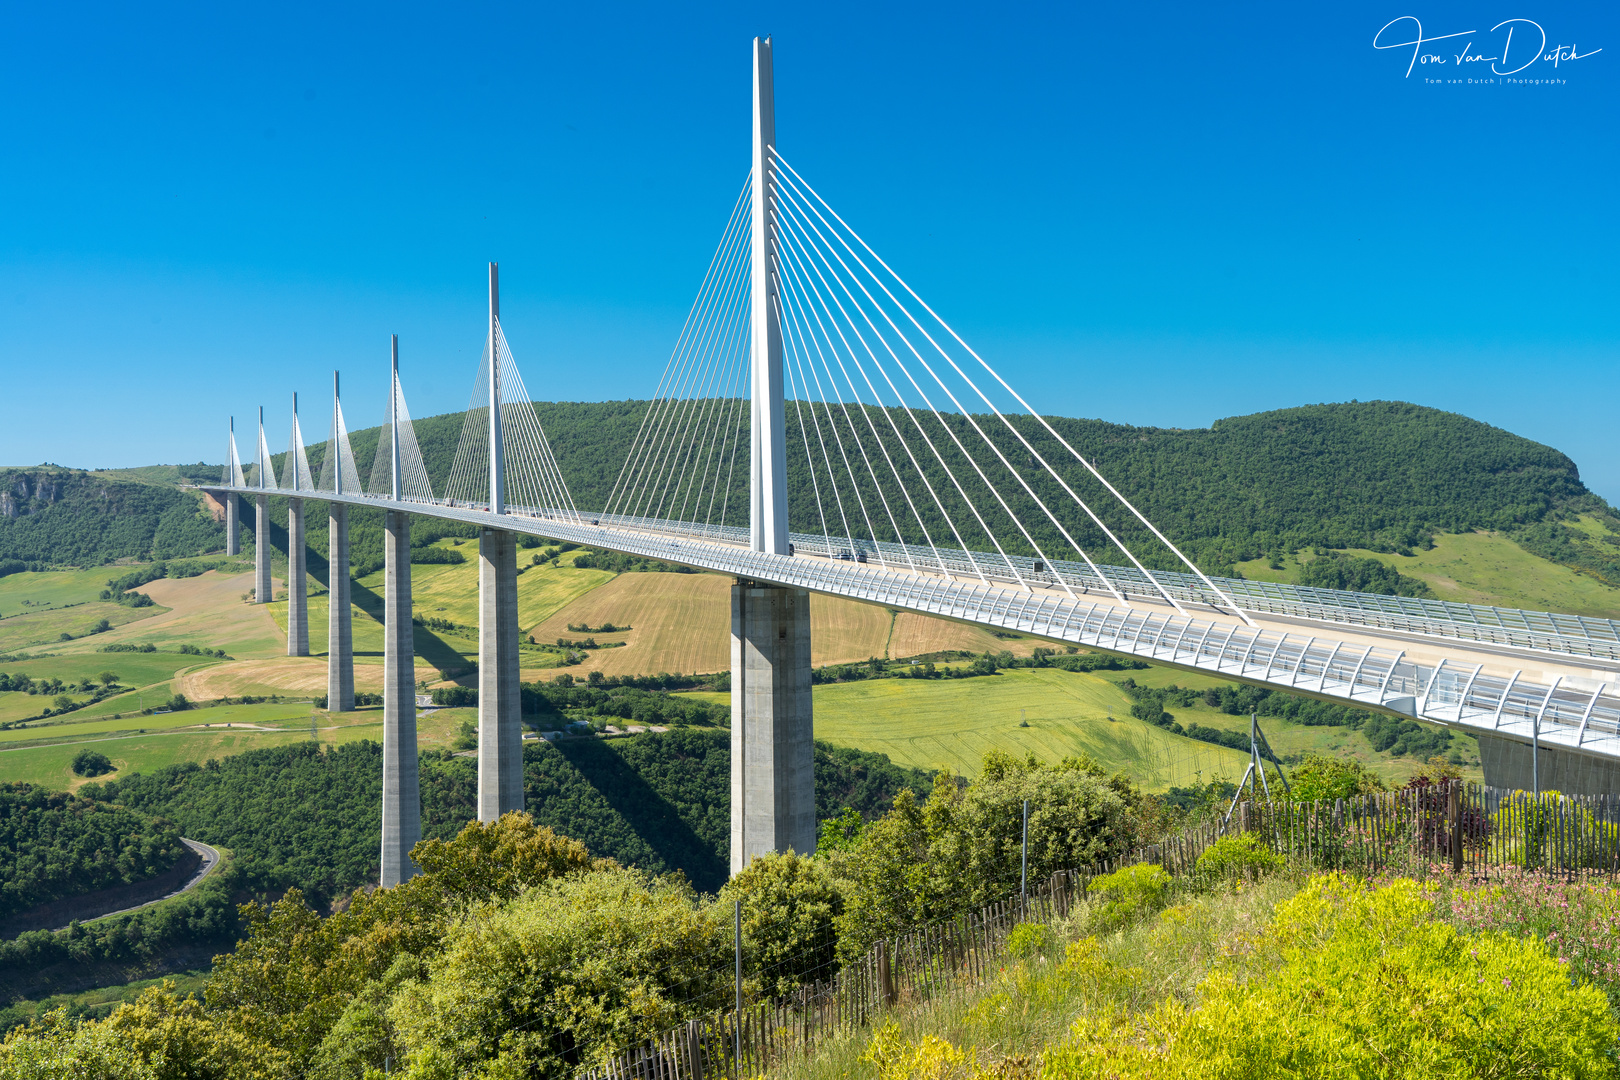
(1486, 671)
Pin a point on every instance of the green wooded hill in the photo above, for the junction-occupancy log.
(309, 817)
(54, 845)
(1385, 476)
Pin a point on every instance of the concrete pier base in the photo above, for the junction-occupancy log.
(339, 624)
(1507, 765)
(297, 582)
(773, 783)
(500, 720)
(233, 524)
(261, 550)
(402, 800)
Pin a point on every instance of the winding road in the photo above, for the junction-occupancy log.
(210, 859)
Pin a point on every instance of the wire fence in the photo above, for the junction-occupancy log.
(1472, 829)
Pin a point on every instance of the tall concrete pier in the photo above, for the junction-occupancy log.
(233, 524)
(402, 800)
(339, 623)
(261, 550)
(773, 787)
(773, 782)
(500, 722)
(297, 582)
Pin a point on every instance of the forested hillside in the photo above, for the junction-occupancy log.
(1380, 475)
(54, 845)
(310, 817)
(51, 516)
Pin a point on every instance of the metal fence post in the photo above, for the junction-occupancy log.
(736, 1038)
(1023, 870)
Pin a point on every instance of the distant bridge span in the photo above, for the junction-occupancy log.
(1491, 672)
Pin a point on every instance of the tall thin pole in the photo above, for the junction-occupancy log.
(497, 492)
(258, 451)
(393, 414)
(1023, 871)
(736, 1027)
(768, 519)
(337, 444)
(298, 439)
(230, 457)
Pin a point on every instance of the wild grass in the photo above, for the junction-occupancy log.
(953, 723)
(1481, 568)
(1023, 1008)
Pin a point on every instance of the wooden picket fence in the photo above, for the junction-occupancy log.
(915, 965)
(1473, 829)
(1470, 828)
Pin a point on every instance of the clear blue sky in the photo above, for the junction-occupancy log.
(1156, 214)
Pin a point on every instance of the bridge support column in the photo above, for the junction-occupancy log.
(1507, 764)
(261, 550)
(402, 800)
(297, 582)
(500, 719)
(339, 624)
(233, 524)
(773, 783)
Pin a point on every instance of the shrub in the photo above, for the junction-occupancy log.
(591, 960)
(178, 703)
(1318, 778)
(1129, 892)
(1241, 856)
(1357, 981)
(88, 762)
(1029, 940)
(789, 903)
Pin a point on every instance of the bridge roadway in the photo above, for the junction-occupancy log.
(1506, 676)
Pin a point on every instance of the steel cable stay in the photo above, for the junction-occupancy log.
(714, 261)
(793, 175)
(877, 398)
(801, 294)
(695, 314)
(802, 224)
(339, 455)
(794, 396)
(731, 365)
(803, 281)
(796, 350)
(854, 303)
(713, 310)
(264, 470)
(537, 463)
(469, 475)
(295, 474)
(968, 416)
(793, 200)
(802, 328)
(723, 350)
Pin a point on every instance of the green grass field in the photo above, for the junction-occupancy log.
(46, 627)
(953, 723)
(1481, 568)
(175, 737)
(53, 588)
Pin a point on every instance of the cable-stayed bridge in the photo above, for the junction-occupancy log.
(820, 428)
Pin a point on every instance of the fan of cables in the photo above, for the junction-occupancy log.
(907, 448)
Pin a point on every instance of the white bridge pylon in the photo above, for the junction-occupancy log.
(888, 462)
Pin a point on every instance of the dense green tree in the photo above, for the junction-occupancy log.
(56, 845)
(561, 975)
(790, 905)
